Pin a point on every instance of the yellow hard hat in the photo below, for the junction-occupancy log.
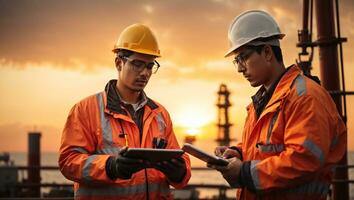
(138, 38)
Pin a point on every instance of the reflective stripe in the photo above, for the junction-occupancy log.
(315, 150)
(271, 148)
(105, 125)
(254, 174)
(272, 122)
(312, 188)
(81, 150)
(161, 123)
(300, 85)
(123, 191)
(108, 151)
(87, 168)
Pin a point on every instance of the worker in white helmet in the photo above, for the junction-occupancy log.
(293, 133)
(101, 127)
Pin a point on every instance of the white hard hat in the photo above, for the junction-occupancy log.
(252, 25)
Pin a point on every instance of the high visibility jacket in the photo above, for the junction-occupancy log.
(289, 151)
(91, 135)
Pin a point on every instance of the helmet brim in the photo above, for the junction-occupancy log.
(142, 51)
(237, 46)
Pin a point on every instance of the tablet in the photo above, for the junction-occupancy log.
(204, 156)
(153, 155)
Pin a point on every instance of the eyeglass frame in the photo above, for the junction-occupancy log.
(241, 59)
(135, 67)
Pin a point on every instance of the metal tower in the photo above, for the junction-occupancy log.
(224, 125)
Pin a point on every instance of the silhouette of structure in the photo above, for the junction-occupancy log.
(223, 137)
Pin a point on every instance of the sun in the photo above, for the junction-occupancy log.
(193, 131)
(192, 121)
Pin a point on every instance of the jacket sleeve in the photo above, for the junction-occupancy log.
(308, 141)
(77, 160)
(173, 144)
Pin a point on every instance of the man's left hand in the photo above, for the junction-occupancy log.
(231, 172)
(175, 169)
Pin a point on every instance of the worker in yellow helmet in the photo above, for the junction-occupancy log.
(293, 134)
(100, 128)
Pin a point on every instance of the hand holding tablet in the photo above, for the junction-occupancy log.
(204, 156)
(168, 161)
(153, 155)
(159, 155)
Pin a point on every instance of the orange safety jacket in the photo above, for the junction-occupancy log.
(289, 151)
(91, 135)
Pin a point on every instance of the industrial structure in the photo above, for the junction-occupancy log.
(223, 135)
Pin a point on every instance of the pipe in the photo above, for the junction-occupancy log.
(329, 71)
(341, 64)
(34, 161)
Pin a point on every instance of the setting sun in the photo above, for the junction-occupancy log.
(194, 119)
(193, 131)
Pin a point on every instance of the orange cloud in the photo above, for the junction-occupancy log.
(189, 32)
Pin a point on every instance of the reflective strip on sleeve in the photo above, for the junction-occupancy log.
(271, 125)
(254, 174)
(108, 151)
(312, 188)
(315, 150)
(80, 149)
(123, 191)
(300, 85)
(271, 148)
(105, 125)
(161, 123)
(87, 167)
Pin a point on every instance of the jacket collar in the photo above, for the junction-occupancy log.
(263, 96)
(114, 101)
(283, 87)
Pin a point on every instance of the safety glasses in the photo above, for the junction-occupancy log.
(241, 59)
(139, 65)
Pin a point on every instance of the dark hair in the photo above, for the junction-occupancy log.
(276, 50)
(124, 53)
(278, 54)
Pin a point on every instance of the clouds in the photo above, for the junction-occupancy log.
(53, 31)
(79, 34)
(66, 33)
(63, 32)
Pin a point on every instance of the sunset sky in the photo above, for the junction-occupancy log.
(55, 53)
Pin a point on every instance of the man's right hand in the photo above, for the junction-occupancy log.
(122, 167)
(226, 152)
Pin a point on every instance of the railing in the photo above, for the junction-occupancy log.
(222, 188)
